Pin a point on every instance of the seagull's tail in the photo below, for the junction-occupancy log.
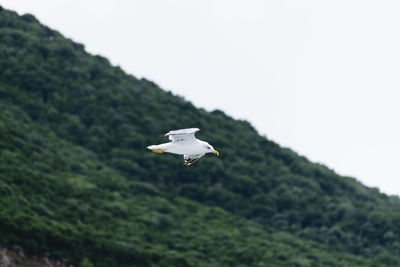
(161, 146)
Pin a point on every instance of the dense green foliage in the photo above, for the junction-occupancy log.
(76, 180)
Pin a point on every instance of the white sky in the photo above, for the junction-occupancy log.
(320, 77)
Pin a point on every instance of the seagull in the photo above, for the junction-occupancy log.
(183, 142)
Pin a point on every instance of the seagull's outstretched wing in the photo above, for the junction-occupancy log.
(189, 159)
(182, 135)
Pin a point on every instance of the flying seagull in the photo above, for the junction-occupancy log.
(183, 142)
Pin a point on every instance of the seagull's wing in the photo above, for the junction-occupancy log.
(182, 135)
(189, 159)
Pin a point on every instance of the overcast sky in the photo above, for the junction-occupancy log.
(320, 77)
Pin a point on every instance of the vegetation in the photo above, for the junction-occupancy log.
(77, 182)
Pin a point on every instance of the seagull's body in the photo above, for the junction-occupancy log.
(183, 142)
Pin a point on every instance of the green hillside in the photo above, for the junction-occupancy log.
(76, 180)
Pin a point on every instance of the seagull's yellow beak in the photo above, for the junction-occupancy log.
(216, 152)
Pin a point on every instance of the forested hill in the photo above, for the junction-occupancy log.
(76, 180)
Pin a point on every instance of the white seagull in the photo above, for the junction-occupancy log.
(183, 142)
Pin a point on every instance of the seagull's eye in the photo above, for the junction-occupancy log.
(208, 147)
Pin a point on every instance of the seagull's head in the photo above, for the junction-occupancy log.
(209, 149)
